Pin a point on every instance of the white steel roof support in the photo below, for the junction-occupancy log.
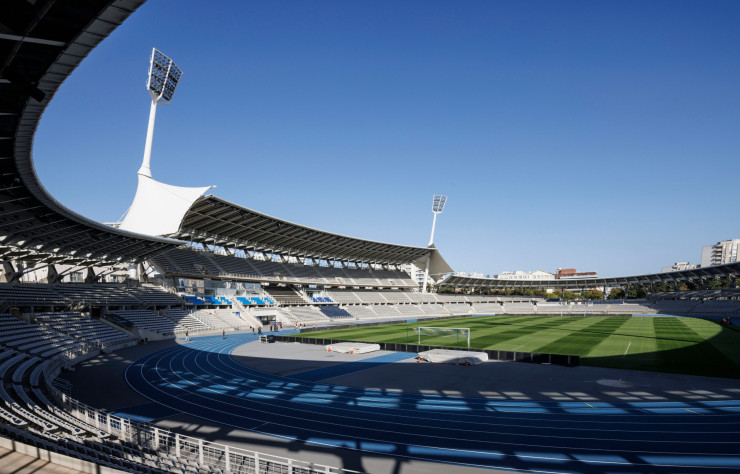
(145, 169)
(438, 204)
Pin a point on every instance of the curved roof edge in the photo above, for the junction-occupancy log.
(212, 220)
(731, 270)
(34, 225)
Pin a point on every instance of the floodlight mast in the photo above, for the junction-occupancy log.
(438, 205)
(163, 78)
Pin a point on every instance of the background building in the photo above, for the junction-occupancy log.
(678, 266)
(720, 253)
(520, 275)
(571, 273)
(418, 275)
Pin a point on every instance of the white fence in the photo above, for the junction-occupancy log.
(183, 448)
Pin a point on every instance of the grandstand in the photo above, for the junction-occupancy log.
(37, 298)
(285, 295)
(305, 315)
(187, 262)
(144, 320)
(86, 329)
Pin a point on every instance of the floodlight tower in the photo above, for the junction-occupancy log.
(163, 78)
(438, 204)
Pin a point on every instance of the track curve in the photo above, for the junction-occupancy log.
(203, 380)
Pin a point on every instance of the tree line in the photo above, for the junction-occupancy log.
(634, 291)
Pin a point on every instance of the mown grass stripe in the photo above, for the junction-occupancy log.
(665, 344)
(680, 345)
(583, 341)
(550, 332)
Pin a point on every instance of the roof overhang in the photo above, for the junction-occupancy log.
(215, 221)
(44, 42)
(438, 267)
(730, 270)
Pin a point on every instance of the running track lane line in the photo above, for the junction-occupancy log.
(410, 448)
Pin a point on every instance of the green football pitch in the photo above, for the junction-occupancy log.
(661, 344)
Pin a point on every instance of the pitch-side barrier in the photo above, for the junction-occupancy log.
(165, 442)
(532, 357)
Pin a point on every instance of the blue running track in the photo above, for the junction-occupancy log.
(203, 380)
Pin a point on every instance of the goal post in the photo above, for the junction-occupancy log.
(446, 336)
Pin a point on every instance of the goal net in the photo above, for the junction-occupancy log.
(441, 336)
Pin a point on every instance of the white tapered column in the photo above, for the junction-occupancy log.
(438, 204)
(145, 169)
(429, 257)
(434, 224)
(426, 275)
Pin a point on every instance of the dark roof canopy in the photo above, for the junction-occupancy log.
(730, 270)
(212, 220)
(41, 43)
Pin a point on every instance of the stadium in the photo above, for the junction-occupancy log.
(199, 335)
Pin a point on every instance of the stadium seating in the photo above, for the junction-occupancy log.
(675, 306)
(395, 296)
(322, 299)
(305, 314)
(409, 310)
(346, 297)
(710, 307)
(149, 321)
(386, 311)
(458, 308)
(185, 321)
(630, 308)
(98, 294)
(434, 309)
(487, 308)
(185, 261)
(230, 318)
(150, 295)
(361, 311)
(220, 319)
(284, 295)
(194, 300)
(519, 308)
(85, 329)
(45, 298)
(417, 297)
(244, 300)
(36, 340)
(335, 312)
(30, 295)
(370, 297)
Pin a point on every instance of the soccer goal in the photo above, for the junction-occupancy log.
(443, 336)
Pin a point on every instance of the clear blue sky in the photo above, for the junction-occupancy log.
(597, 135)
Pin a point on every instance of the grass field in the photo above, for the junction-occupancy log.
(660, 344)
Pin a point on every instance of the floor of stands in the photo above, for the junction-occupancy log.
(17, 463)
(515, 387)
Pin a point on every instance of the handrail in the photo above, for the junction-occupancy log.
(227, 458)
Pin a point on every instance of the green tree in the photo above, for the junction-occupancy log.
(714, 284)
(660, 287)
(616, 294)
(637, 292)
(593, 295)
